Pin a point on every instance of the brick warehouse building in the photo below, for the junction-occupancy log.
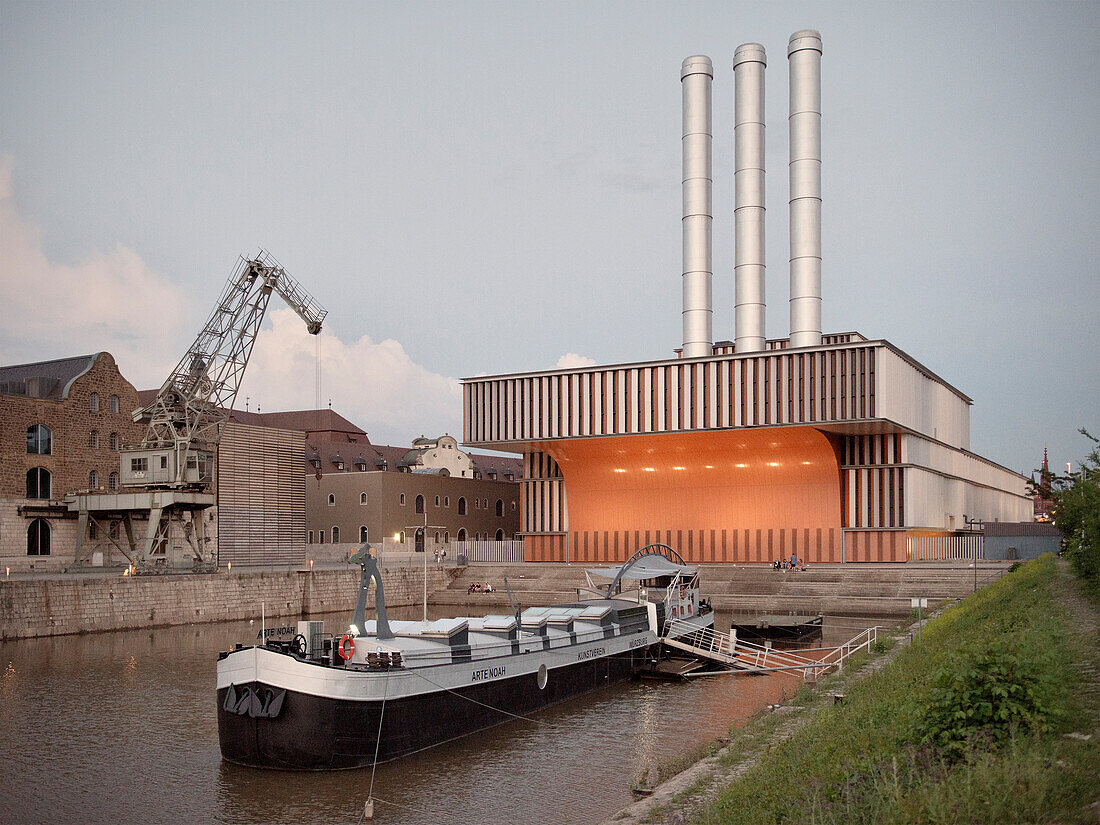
(61, 424)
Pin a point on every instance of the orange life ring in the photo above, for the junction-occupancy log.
(347, 647)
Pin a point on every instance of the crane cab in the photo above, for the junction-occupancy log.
(159, 467)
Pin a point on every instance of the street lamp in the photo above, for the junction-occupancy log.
(424, 527)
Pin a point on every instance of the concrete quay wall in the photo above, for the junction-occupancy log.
(86, 604)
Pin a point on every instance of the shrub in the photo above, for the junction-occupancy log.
(982, 697)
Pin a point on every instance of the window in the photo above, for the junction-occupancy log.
(93, 440)
(38, 538)
(114, 441)
(335, 534)
(139, 465)
(93, 531)
(112, 530)
(500, 507)
(93, 480)
(500, 535)
(437, 501)
(513, 507)
(362, 498)
(311, 537)
(462, 506)
(362, 534)
(38, 482)
(447, 537)
(420, 504)
(446, 501)
(332, 501)
(112, 403)
(462, 534)
(402, 499)
(192, 462)
(321, 535)
(112, 481)
(437, 537)
(93, 402)
(477, 503)
(39, 440)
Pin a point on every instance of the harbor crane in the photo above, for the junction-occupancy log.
(171, 472)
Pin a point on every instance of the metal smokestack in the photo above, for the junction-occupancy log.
(696, 75)
(804, 55)
(749, 62)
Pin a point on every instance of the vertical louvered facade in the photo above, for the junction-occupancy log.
(830, 453)
(261, 495)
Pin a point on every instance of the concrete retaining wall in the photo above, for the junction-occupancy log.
(60, 606)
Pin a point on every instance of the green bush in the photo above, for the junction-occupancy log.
(982, 697)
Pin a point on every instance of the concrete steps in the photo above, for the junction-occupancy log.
(853, 589)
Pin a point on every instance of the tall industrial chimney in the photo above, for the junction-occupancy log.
(696, 75)
(804, 54)
(749, 62)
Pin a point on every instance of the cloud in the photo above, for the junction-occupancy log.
(571, 359)
(374, 385)
(107, 301)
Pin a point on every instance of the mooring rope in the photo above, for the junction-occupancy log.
(378, 738)
(476, 702)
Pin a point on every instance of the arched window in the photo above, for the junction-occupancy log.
(462, 534)
(362, 534)
(462, 506)
(112, 482)
(38, 482)
(335, 534)
(447, 537)
(363, 500)
(437, 537)
(112, 530)
(500, 507)
(93, 440)
(446, 501)
(420, 504)
(38, 538)
(500, 535)
(93, 531)
(402, 499)
(112, 403)
(418, 540)
(332, 502)
(93, 402)
(39, 440)
(114, 442)
(93, 480)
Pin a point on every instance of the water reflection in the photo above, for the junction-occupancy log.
(121, 727)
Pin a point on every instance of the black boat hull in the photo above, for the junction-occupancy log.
(320, 733)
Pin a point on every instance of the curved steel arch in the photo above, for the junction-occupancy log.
(648, 550)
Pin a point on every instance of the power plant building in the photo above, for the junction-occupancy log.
(830, 448)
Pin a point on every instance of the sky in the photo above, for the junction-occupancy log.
(481, 188)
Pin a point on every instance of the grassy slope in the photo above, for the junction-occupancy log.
(859, 761)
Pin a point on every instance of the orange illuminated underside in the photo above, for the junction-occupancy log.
(742, 495)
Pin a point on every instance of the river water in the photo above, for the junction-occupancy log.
(120, 728)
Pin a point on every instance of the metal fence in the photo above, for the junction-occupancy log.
(501, 552)
(945, 548)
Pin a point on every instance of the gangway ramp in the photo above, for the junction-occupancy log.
(745, 657)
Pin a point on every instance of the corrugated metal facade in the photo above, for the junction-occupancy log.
(261, 495)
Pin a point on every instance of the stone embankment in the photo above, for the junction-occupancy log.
(61, 605)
